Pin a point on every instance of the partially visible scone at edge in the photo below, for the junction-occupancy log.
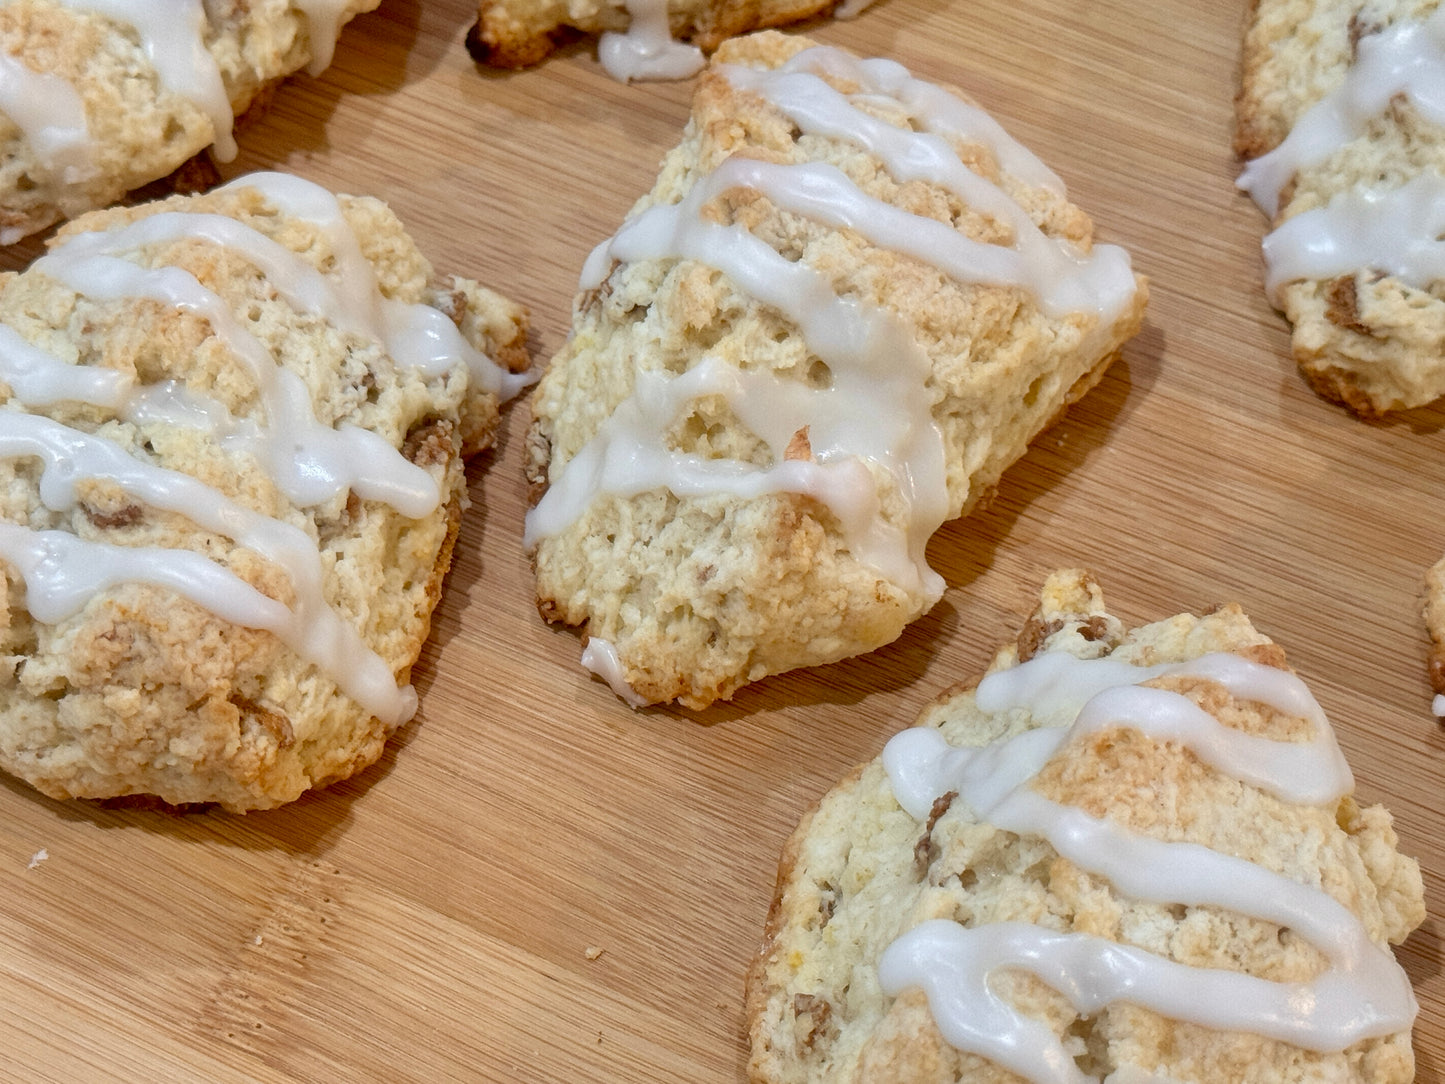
(1435, 625)
(1346, 142)
(848, 304)
(1125, 855)
(232, 431)
(94, 103)
(518, 33)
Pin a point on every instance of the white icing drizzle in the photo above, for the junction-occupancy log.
(172, 34)
(1363, 993)
(647, 50)
(312, 463)
(415, 335)
(63, 572)
(600, 657)
(308, 461)
(173, 37)
(1406, 58)
(323, 28)
(51, 117)
(38, 378)
(930, 108)
(1059, 276)
(876, 414)
(1394, 231)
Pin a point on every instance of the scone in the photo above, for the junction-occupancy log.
(98, 99)
(641, 39)
(847, 305)
(231, 475)
(1123, 856)
(1341, 117)
(1435, 626)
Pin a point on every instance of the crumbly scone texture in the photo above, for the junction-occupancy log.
(860, 871)
(141, 130)
(144, 692)
(519, 33)
(702, 594)
(1367, 339)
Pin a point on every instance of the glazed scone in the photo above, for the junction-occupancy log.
(231, 440)
(1124, 856)
(1340, 114)
(820, 335)
(641, 39)
(99, 99)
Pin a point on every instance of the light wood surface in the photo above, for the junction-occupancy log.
(438, 917)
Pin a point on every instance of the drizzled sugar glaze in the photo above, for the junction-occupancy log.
(1363, 993)
(50, 115)
(1392, 229)
(647, 50)
(309, 461)
(873, 424)
(172, 35)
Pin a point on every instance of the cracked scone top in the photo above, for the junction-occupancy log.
(231, 441)
(846, 307)
(1342, 115)
(1123, 856)
(98, 97)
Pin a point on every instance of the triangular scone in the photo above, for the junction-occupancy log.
(1123, 856)
(231, 440)
(846, 307)
(99, 99)
(1341, 116)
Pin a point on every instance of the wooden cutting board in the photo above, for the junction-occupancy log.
(536, 883)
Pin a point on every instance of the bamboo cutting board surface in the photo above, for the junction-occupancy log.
(439, 917)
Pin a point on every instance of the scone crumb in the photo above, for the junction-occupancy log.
(592, 952)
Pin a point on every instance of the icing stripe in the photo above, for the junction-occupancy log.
(1395, 232)
(310, 462)
(64, 577)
